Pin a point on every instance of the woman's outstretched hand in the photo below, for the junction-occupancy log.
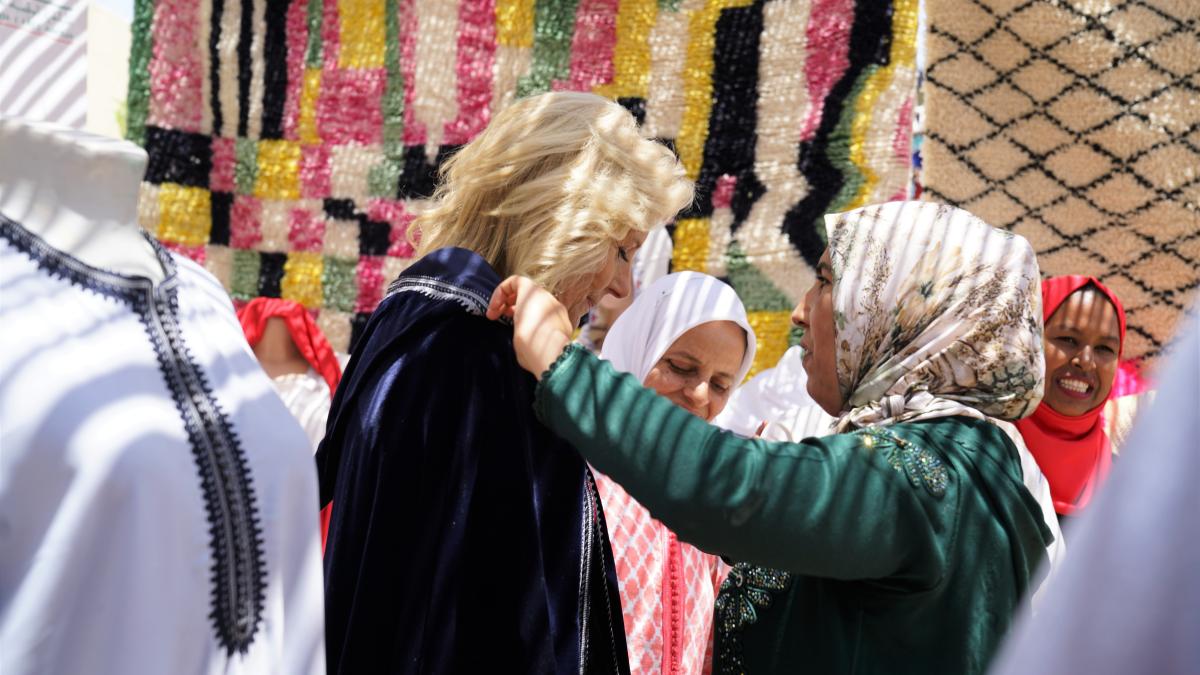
(541, 326)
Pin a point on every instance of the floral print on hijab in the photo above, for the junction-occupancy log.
(936, 314)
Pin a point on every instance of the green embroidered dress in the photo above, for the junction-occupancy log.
(899, 549)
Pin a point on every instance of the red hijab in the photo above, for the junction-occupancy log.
(1073, 452)
(304, 331)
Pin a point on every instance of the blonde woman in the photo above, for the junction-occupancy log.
(465, 536)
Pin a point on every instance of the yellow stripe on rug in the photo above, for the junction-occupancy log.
(631, 55)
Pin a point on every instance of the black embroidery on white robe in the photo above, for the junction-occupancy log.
(235, 538)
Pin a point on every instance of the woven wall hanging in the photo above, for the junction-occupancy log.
(288, 139)
(1076, 123)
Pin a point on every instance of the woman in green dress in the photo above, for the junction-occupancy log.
(902, 543)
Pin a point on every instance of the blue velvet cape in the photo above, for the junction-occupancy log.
(465, 536)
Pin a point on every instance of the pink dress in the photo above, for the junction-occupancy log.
(668, 588)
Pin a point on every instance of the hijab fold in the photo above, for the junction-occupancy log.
(936, 314)
(1073, 452)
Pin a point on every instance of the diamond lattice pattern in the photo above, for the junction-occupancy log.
(640, 549)
(1076, 123)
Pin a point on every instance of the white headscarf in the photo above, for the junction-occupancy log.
(653, 259)
(667, 309)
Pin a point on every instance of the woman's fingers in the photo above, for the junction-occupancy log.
(504, 299)
(541, 327)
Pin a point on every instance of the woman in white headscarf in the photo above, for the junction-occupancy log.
(686, 337)
(904, 541)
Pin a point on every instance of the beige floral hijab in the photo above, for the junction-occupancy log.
(936, 314)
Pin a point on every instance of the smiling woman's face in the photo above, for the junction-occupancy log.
(1083, 340)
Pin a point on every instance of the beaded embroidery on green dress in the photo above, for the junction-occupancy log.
(905, 548)
(909, 535)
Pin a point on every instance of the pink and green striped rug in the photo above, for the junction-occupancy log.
(289, 139)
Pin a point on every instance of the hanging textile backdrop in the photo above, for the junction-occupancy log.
(290, 140)
(1076, 124)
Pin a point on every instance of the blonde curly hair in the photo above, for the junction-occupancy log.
(550, 186)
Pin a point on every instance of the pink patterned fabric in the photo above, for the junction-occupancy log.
(414, 129)
(829, 56)
(245, 222)
(667, 588)
(347, 109)
(224, 165)
(593, 44)
(393, 212)
(306, 232)
(196, 253)
(723, 194)
(175, 71)
(370, 282)
(1129, 380)
(476, 56)
(314, 171)
(297, 39)
(331, 31)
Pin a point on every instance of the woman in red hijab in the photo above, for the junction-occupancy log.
(302, 341)
(308, 339)
(1085, 334)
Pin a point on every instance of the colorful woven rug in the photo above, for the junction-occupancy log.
(1076, 123)
(288, 139)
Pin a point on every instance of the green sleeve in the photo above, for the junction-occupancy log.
(830, 507)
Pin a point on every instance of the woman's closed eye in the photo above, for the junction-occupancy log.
(680, 369)
(718, 384)
(623, 253)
